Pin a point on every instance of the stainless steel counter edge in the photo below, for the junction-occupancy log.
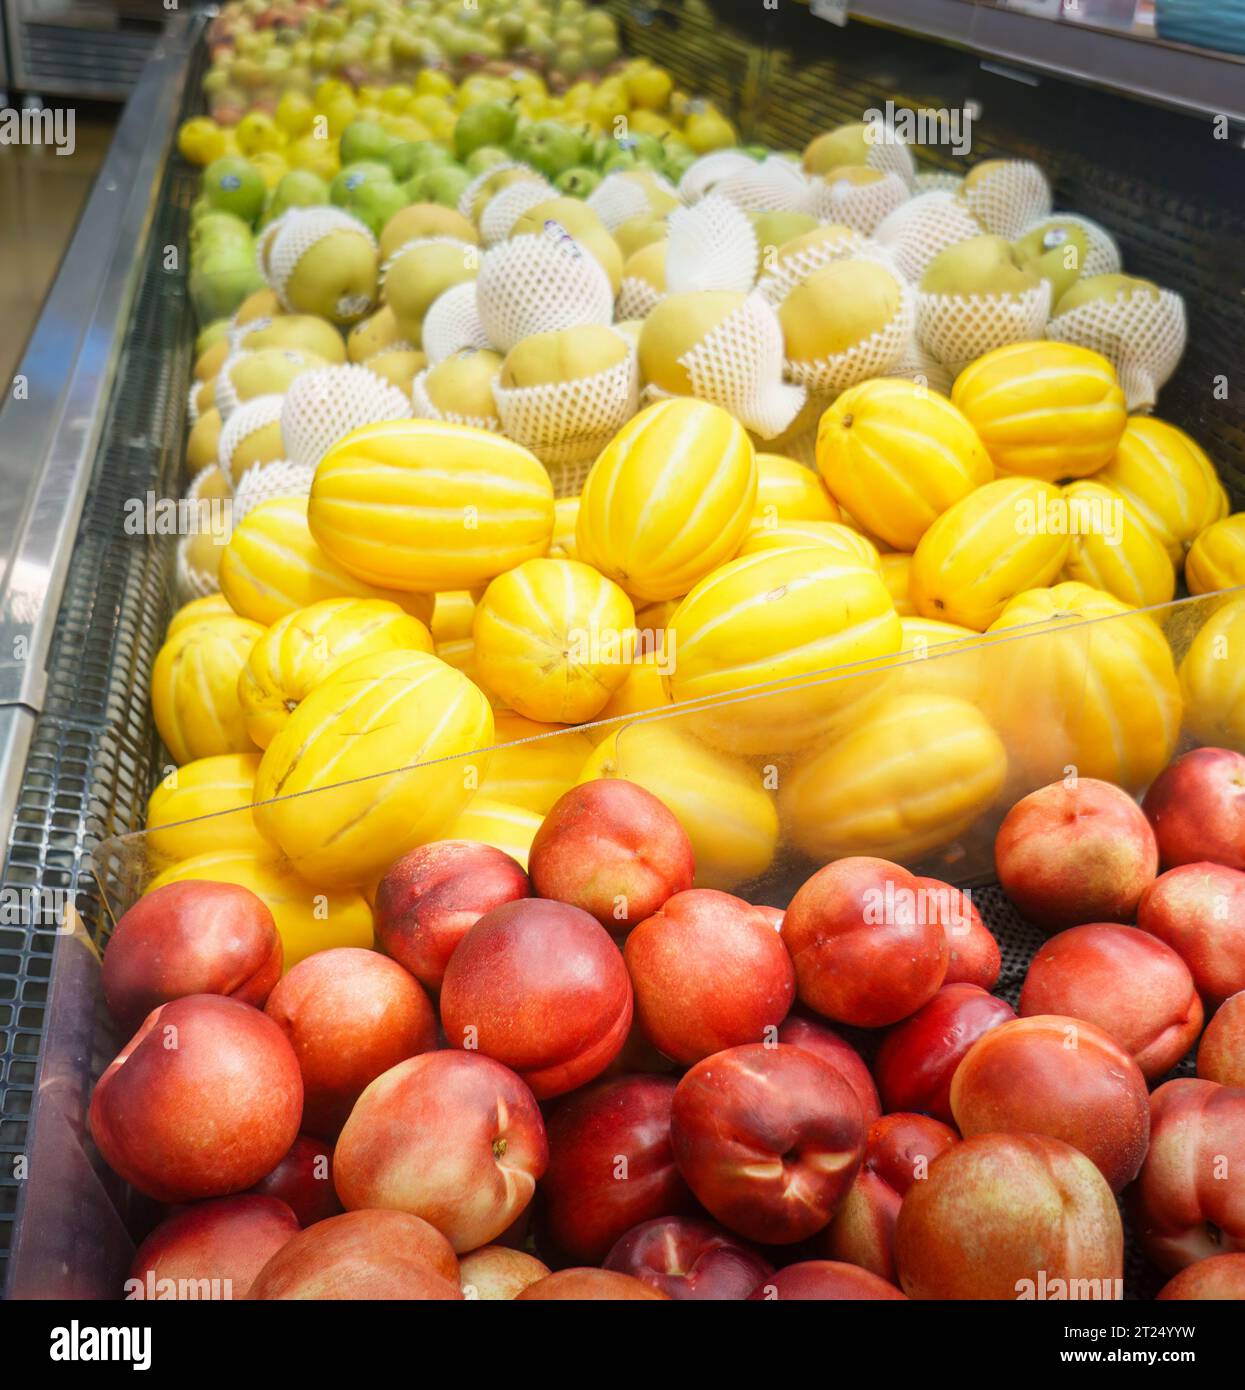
(54, 408)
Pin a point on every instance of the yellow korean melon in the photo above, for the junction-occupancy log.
(393, 710)
(194, 688)
(669, 499)
(1112, 548)
(787, 491)
(897, 455)
(896, 571)
(723, 803)
(643, 692)
(779, 618)
(789, 535)
(1169, 481)
(204, 807)
(424, 505)
(1043, 409)
(1212, 679)
(502, 824)
(565, 518)
(940, 658)
(532, 763)
(1216, 560)
(196, 611)
(912, 775)
(992, 545)
(309, 917)
(554, 639)
(274, 566)
(304, 648)
(452, 615)
(1088, 685)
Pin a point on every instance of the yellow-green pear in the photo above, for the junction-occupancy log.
(567, 354)
(1107, 287)
(981, 265)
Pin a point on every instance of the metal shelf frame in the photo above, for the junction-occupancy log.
(1197, 81)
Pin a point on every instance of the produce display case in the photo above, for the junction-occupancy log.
(91, 602)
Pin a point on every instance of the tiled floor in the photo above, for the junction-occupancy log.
(41, 196)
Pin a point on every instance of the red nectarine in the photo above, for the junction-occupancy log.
(689, 1259)
(1221, 1053)
(1199, 910)
(303, 1180)
(825, 1280)
(1197, 809)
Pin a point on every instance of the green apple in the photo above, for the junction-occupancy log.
(300, 188)
(485, 158)
(412, 157)
(489, 123)
(354, 176)
(578, 182)
(233, 184)
(549, 146)
(444, 185)
(375, 203)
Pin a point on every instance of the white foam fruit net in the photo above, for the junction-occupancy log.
(618, 199)
(227, 400)
(713, 246)
(891, 156)
(1009, 198)
(570, 422)
(263, 482)
(739, 365)
(774, 185)
(935, 181)
(776, 284)
(538, 284)
(918, 365)
(265, 240)
(243, 422)
(858, 205)
(956, 328)
(505, 208)
(1102, 255)
(453, 323)
(322, 406)
(469, 194)
(872, 356)
(1143, 339)
(424, 409)
(699, 178)
(238, 333)
(300, 229)
(916, 231)
(637, 298)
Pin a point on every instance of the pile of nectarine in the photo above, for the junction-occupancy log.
(592, 1080)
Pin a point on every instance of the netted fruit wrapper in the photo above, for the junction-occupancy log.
(323, 406)
(1142, 337)
(538, 284)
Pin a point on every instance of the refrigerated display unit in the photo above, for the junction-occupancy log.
(1145, 140)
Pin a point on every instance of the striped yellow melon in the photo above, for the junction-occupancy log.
(197, 611)
(669, 499)
(273, 566)
(199, 808)
(532, 764)
(194, 688)
(787, 491)
(911, 775)
(1212, 678)
(452, 616)
(897, 455)
(309, 917)
(1098, 697)
(1169, 481)
(724, 804)
(1216, 560)
(795, 535)
(896, 570)
(425, 505)
(554, 640)
(643, 692)
(565, 519)
(996, 543)
(305, 647)
(392, 710)
(1112, 548)
(780, 616)
(1043, 409)
(502, 824)
(941, 658)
